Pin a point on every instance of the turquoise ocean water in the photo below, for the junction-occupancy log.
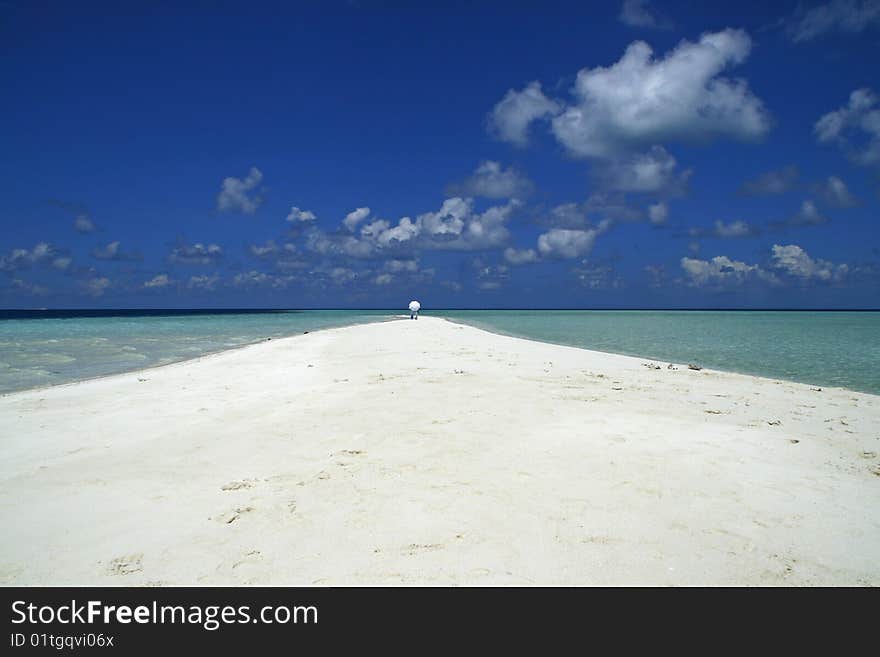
(820, 348)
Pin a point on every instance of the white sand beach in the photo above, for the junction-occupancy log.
(426, 452)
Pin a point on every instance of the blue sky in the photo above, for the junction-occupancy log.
(359, 154)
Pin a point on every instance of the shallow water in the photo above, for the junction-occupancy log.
(833, 348)
(820, 348)
(69, 346)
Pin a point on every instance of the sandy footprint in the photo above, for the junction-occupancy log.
(229, 517)
(238, 484)
(127, 564)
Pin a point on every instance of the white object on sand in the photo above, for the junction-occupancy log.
(414, 306)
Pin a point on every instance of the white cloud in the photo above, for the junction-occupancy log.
(481, 230)
(854, 128)
(773, 182)
(95, 286)
(520, 256)
(109, 252)
(113, 251)
(455, 226)
(566, 243)
(387, 236)
(790, 261)
(353, 218)
(648, 172)
(724, 230)
(159, 281)
(449, 220)
(567, 215)
(264, 250)
(640, 101)
(834, 192)
(23, 258)
(203, 282)
(235, 193)
(254, 278)
(62, 262)
(396, 266)
(510, 118)
(489, 277)
(490, 180)
(794, 261)
(718, 270)
(658, 213)
(29, 288)
(383, 279)
(300, 216)
(597, 277)
(844, 16)
(611, 207)
(82, 224)
(195, 254)
(808, 215)
(733, 229)
(343, 275)
(640, 13)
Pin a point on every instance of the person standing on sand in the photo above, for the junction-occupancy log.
(414, 307)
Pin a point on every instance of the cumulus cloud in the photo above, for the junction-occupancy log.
(722, 230)
(855, 127)
(397, 266)
(455, 226)
(342, 275)
(159, 281)
(794, 261)
(773, 182)
(566, 243)
(640, 101)
(489, 277)
(718, 270)
(509, 120)
(270, 248)
(16, 259)
(237, 194)
(353, 218)
(641, 13)
(834, 192)
(490, 180)
(808, 215)
(788, 263)
(300, 216)
(113, 251)
(567, 215)
(95, 286)
(597, 277)
(62, 262)
(29, 288)
(383, 279)
(840, 16)
(611, 207)
(195, 254)
(520, 256)
(83, 224)
(658, 213)
(203, 282)
(649, 172)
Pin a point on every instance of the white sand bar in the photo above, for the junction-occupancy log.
(432, 453)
